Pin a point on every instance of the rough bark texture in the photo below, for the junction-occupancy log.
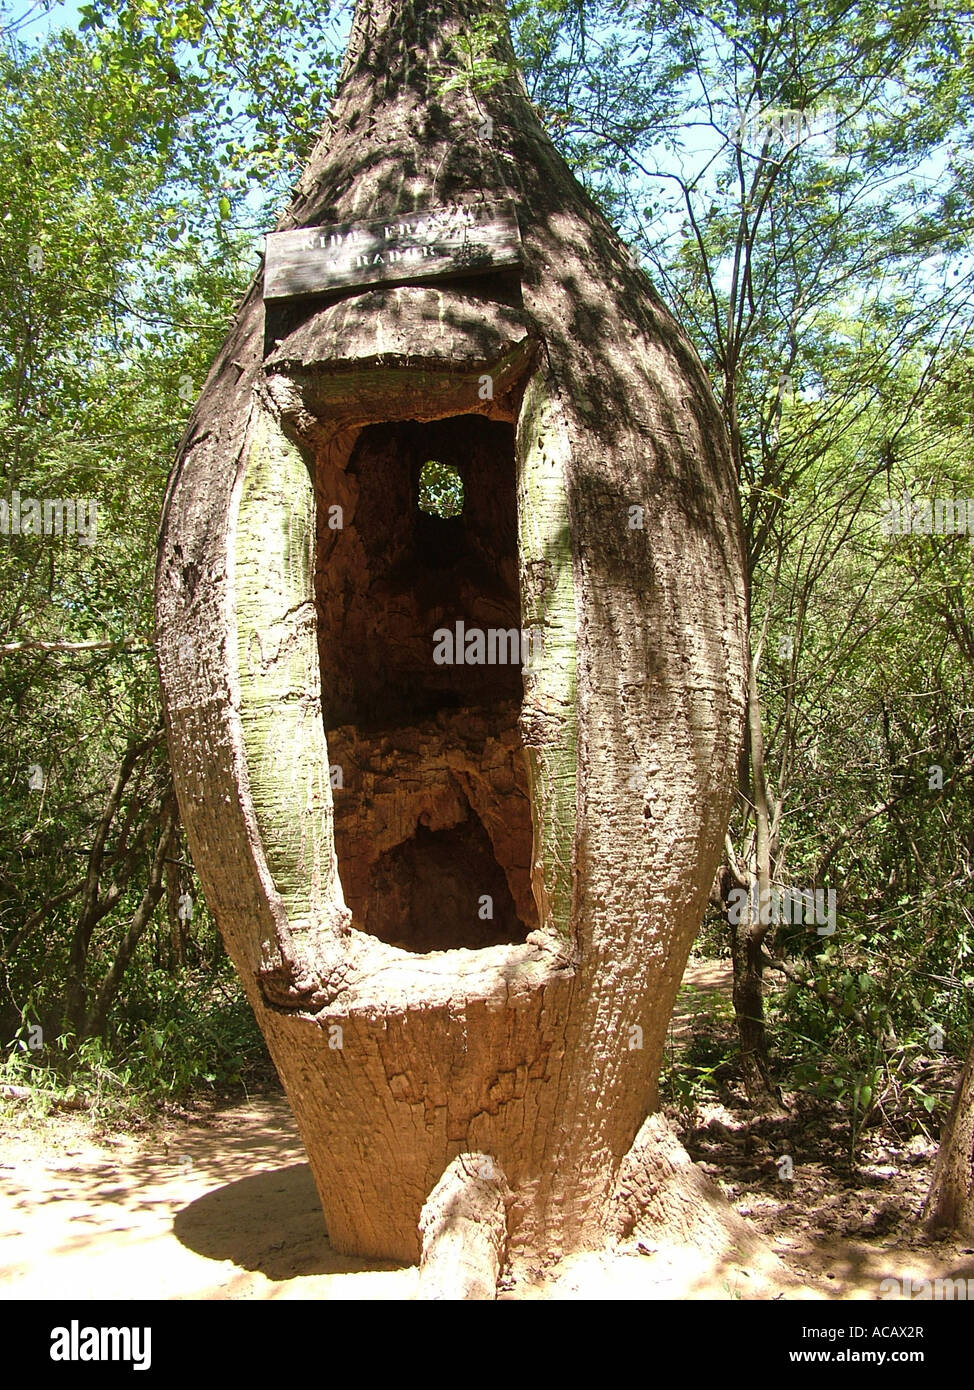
(604, 515)
(463, 1225)
(659, 1189)
(950, 1201)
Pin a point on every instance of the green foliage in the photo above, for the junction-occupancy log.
(175, 1036)
(473, 53)
(695, 1069)
(116, 278)
(866, 689)
(440, 489)
(86, 1077)
(821, 273)
(200, 1035)
(258, 75)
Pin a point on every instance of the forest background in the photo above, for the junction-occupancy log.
(796, 179)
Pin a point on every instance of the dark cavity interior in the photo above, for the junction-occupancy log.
(432, 813)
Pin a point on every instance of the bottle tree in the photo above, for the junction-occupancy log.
(456, 779)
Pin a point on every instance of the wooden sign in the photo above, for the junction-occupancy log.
(460, 240)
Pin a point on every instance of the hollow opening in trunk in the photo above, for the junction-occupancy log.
(442, 889)
(419, 629)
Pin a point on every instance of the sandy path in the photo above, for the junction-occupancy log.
(225, 1210)
(702, 980)
(224, 1207)
(228, 1209)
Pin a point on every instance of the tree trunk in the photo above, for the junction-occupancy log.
(96, 1019)
(747, 946)
(460, 896)
(750, 929)
(96, 902)
(950, 1201)
(177, 881)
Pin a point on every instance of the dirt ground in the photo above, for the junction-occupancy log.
(221, 1205)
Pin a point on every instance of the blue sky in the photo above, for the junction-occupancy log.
(41, 21)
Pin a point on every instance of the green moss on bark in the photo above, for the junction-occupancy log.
(549, 719)
(280, 699)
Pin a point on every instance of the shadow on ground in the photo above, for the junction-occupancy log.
(220, 1226)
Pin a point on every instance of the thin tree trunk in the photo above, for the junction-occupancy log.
(747, 954)
(96, 1019)
(176, 884)
(749, 930)
(95, 906)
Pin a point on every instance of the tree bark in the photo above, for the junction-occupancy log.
(950, 1201)
(464, 1229)
(608, 521)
